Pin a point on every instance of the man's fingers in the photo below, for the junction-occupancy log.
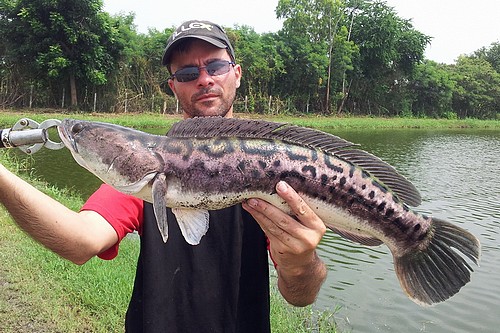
(300, 209)
(273, 221)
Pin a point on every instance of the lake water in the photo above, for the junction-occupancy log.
(458, 175)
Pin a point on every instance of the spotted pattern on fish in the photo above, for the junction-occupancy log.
(214, 163)
(251, 148)
(216, 148)
(365, 194)
(329, 164)
(296, 156)
(324, 180)
(309, 169)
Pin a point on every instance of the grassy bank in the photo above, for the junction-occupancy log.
(9, 117)
(40, 292)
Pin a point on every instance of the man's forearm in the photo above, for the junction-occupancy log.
(301, 286)
(48, 221)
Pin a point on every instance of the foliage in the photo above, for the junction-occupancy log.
(478, 88)
(389, 49)
(491, 54)
(60, 40)
(259, 58)
(353, 57)
(432, 89)
(314, 26)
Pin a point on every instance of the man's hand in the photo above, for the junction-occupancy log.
(293, 244)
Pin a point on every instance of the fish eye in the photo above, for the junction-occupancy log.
(77, 128)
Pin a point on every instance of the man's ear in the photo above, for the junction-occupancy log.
(238, 73)
(172, 86)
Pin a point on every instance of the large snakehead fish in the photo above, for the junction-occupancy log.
(211, 163)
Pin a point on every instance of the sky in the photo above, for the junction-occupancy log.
(456, 26)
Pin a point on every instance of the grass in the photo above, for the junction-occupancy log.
(286, 318)
(57, 295)
(152, 120)
(41, 292)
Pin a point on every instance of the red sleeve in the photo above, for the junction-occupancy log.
(123, 212)
(269, 250)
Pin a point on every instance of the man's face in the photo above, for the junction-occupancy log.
(207, 95)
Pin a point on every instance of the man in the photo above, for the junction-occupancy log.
(220, 285)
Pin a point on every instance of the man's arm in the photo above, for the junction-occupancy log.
(293, 245)
(74, 236)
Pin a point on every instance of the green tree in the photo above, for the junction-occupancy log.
(261, 62)
(303, 80)
(65, 40)
(342, 61)
(491, 54)
(156, 75)
(140, 81)
(316, 24)
(389, 48)
(477, 92)
(432, 89)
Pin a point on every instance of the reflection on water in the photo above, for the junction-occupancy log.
(458, 175)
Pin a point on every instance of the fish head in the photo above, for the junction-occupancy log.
(121, 157)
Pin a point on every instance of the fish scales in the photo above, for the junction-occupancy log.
(212, 163)
(231, 166)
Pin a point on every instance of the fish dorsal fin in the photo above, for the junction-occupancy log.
(385, 172)
(210, 127)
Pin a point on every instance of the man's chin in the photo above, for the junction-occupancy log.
(207, 113)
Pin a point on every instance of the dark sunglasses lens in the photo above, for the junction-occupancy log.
(218, 68)
(187, 74)
(213, 69)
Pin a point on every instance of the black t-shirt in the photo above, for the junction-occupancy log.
(220, 285)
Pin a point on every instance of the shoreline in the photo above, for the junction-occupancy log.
(156, 120)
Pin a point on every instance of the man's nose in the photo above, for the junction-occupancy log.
(205, 79)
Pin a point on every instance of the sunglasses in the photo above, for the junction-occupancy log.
(215, 68)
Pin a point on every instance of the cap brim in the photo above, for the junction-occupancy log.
(170, 48)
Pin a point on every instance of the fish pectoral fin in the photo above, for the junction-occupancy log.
(358, 238)
(193, 223)
(159, 190)
(136, 187)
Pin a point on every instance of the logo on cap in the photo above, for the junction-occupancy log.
(192, 25)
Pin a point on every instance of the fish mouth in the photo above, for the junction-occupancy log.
(65, 130)
(66, 137)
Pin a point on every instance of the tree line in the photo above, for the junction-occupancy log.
(355, 57)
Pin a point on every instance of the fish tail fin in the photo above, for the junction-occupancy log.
(436, 273)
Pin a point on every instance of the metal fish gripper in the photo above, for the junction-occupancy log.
(29, 136)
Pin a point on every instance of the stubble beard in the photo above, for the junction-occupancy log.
(207, 109)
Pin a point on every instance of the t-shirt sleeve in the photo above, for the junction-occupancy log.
(269, 250)
(124, 213)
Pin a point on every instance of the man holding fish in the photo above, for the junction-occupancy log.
(219, 285)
